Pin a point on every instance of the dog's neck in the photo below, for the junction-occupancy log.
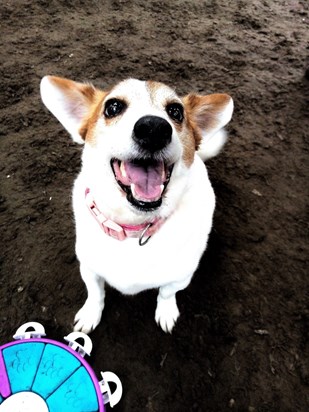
(118, 231)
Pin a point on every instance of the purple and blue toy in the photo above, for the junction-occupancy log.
(42, 375)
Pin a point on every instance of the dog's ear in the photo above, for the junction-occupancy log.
(209, 114)
(69, 102)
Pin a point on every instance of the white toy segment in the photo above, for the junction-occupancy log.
(24, 402)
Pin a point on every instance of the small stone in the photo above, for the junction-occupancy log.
(256, 192)
(231, 403)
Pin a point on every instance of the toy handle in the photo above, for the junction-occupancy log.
(30, 330)
(112, 398)
(84, 349)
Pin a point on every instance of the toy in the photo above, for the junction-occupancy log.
(42, 375)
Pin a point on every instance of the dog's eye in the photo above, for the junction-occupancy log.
(175, 111)
(113, 107)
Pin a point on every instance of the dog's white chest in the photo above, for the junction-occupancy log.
(131, 268)
(171, 254)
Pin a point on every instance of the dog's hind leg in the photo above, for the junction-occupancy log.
(167, 310)
(89, 316)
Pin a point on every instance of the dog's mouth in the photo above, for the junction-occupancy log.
(143, 180)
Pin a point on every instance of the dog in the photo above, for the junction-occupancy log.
(143, 202)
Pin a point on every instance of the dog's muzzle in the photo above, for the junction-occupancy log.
(144, 179)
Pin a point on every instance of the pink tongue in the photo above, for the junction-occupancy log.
(147, 179)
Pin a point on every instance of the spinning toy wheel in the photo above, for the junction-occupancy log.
(42, 375)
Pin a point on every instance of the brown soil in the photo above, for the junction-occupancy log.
(241, 341)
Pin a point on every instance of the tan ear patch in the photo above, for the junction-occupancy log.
(74, 104)
(95, 112)
(204, 110)
(87, 91)
(191, 139)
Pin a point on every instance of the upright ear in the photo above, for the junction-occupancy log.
(209, 114)
(69, 102)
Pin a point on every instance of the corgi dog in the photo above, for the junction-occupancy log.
(143, 202)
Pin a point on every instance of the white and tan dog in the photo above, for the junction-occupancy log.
(143, 202)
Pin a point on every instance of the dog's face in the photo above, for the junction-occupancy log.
(139, 136)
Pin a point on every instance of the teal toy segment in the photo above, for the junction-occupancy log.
(1, 399)
(55, 367)
(77, 394)
(22, 362)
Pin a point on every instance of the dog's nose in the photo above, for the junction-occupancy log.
(152, 133)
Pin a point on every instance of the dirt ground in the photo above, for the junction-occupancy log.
(242, 339)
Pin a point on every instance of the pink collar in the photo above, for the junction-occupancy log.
(121, 232)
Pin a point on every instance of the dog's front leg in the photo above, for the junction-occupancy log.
(167, 310)
(89, 316)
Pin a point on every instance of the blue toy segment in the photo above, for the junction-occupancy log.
(55, 367)
(22, 362)
(1, 399)
(77, 394)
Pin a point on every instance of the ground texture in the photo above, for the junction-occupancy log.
(240, 343)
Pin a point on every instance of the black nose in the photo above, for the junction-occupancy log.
(152, 133)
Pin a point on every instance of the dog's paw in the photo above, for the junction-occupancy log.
(88, 317)
(167, 313)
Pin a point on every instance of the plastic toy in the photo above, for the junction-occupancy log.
(42, 375)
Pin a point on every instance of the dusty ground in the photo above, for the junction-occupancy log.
(241, 342)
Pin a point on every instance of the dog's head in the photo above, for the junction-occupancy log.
(139, 136)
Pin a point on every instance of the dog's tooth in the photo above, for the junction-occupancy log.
(123, 170)
(134, 193)
(162, 188)
(132, 186)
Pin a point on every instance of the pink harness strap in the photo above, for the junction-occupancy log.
(121, 232)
